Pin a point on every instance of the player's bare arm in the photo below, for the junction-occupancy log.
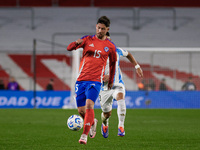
(106, 78)
(134, 62)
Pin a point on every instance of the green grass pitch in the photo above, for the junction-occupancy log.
(146, 129)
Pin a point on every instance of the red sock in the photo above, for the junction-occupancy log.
(88, 121)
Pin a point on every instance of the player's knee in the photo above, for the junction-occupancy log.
(89, 104)
(120, 96)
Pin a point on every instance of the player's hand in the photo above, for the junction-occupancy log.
(110, 86)
(79, 41)
(139, 72)
(106, 78)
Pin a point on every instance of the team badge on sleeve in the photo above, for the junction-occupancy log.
(106, 49)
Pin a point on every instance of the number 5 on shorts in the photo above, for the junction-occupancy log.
(76, 88)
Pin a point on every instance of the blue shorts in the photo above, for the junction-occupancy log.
(86, 90)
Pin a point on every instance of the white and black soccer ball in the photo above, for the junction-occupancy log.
(75, 122)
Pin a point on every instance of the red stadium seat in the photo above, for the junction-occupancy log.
(35, 3)
(43, 73)
(100, 3)
(8, 3)
(147, 3)
(75, 3)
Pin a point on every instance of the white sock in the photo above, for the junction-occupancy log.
(121, 112)
(105, 121)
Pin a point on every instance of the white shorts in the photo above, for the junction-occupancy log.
(106, 97)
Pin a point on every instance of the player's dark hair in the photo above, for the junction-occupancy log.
(104, 20)
(107, 34)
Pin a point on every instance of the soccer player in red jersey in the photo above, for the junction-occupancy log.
(96, 49)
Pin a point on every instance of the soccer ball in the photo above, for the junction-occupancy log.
(75, 122)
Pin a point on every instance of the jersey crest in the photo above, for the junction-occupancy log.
(106, 49)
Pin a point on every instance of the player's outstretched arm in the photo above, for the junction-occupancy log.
(134, 62)
(74, 45)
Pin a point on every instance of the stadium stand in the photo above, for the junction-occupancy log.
(8, 3)
(99, 3)
(59, 68)
(147, 3)
(75, 3)
(35, 3)
(4, 75)
(43, 72)
(155, 31)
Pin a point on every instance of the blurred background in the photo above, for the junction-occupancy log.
(163, 36)
(36, 71)
(166, 33)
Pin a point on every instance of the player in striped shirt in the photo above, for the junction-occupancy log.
(117, 93)
(96, 50)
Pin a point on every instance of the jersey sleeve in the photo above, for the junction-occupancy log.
(84, 38)
(74, 46)
(122, 52)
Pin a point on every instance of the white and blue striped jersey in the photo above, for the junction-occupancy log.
(118, 75)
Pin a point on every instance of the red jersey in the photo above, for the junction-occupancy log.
(95, 55)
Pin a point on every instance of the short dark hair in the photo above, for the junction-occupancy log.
(107, 34)
(104, 20)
